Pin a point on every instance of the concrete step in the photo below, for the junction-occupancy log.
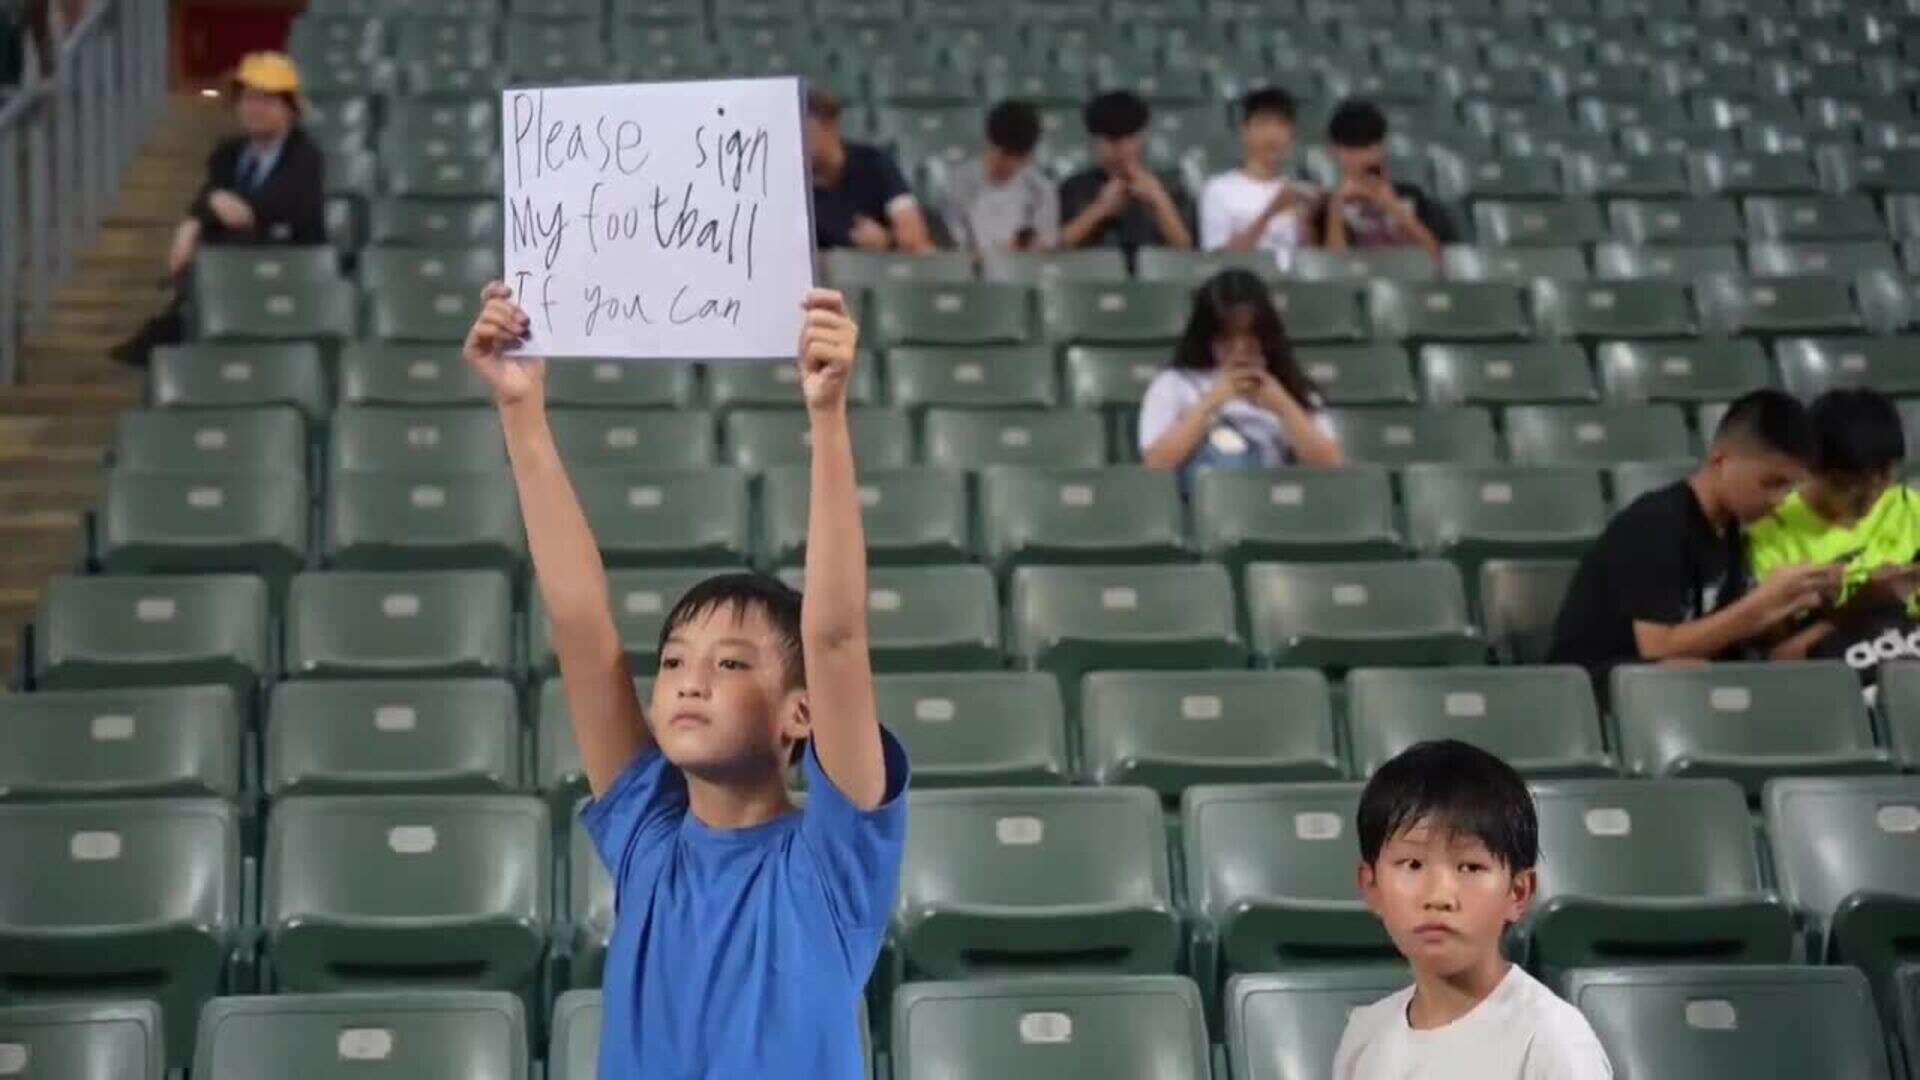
(79, 432)
(115, 321)
(65, 400)
(71, 358)
(133, 241)
(50, 480)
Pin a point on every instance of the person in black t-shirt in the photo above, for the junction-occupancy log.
(860, 200)
(1665, 580)
(1117, 200)
(1368, 208)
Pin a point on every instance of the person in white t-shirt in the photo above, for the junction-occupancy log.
(1448, 843)
(1255, 207)
(1233, 395)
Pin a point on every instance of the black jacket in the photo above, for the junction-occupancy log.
(288, 208)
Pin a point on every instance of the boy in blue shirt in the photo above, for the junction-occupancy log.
(745, 929)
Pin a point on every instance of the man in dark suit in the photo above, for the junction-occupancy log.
(266, 185)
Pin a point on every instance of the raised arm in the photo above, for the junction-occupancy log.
(833, 613)
(608, 724)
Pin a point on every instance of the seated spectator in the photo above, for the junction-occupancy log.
(266, 185)
(1853, 512)
(1118, 200)
(1255, 206)
(1002, 201)
(860, 200)
(1666, 580)
(1233, 396)
(1368, 208)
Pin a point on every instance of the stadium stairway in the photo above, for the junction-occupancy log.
(56, 424)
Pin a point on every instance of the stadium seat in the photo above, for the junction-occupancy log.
(1649, 868)
(1519, 600)
(1034, 267)
(188, 522)
(1041, 1027)
(1684, 372)
(1899, 705)
(416, 440)
(1596, 434)
(1113, 379)
(930, 618)
(286, 311)
(972, 377)
(1811, 366)
(1732, 1020)
(239, 376)
(1821, 258)
(777, 385)
(644, 439)
(976, 438)
(223, 268)
(574, 1053)
(1170, 729)
(136, 631)
(975, 729)
(954, 313)
(1505, 373)
(1614, 309)
(1753, 173)
(429, 271)
(1244, 515)
(395, 521)
(1375, 373)
(404, 891)
(1627, 262)
(555, 770)
(1345, 615)
(105, 1040)
(469, 172)
(1114, 514)
(1617, 176)
(850, 269)
(1676, 221)
(612, 384)
(112, 744)
(1843, 856)
(1541, 720)
(1906, 1006)
(435, 223)
(640, 599)
(1781, 306)
(765, 438)
(385, 624)
(1074, 619)
(1269, 876)
(1498, 183)
(1322, 311)
(115, 899)
(383, 373)
(913, 515)
(1447, 311)
(271, 439)
(1398, 436)
(1287, 1025)
(430, 1034)
(668, 517)
(1190, 268)
(1819, 218)
(1004, 879)
(1517, 265)
(403, 736)
(584, 930)
(1395, 263)
(1468, 514)
(1083, 312)
(1536, 221)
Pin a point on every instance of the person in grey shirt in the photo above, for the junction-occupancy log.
(1001, 201)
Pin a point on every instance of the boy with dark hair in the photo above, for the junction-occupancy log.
(1666, 580)
(1368, 208)
(1002, 201)
(1852, 513)
(745, 929)
(1448, 843)
(1255, 206)
(1118, 200)
(860, 199)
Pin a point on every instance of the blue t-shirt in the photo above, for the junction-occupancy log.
(742, 952)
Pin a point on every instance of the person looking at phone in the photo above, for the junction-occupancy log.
(1118, 201)
(1256, 207)
(1368, 208)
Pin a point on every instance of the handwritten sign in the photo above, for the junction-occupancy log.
(658, 220)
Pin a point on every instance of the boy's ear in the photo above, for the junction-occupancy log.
(1364, 881)
(1520, 894)
(796, 716)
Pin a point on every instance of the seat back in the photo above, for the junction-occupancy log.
(1127, 1028)
(428, 1035)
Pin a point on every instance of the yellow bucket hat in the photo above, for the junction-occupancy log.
(269, 72)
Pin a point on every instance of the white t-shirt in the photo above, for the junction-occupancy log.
(1232, 201)
(1520, 1032)
(1175, 390)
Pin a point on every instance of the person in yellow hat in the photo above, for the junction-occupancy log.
(266, 185)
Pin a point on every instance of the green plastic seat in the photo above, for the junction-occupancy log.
(1753, 173)
(1666, 262)
(1538, 221)
(850, 269)
(1074, 619)
(396, 521)
(388, 373)
(1004, 879)
(613, 384)
(645, 439)
(187, 522)
(1899, 705)
(271, 439)
(1782, 306)
(1505, 373)
(640, 599)
(1269, 875)
(1906, 1009)
(1614, 309)
(1842, 853)
(1773, 258)
(417, 440)
(468, 172)
(1393, 263)
(766, 438)
(952, 313)
(115, 899)
(975, 729)
(1243, 515)
(1811, 366)
(930, 618)
(556, 772)
(369, 624)
(107, 1040)
(1732, 1020)
(428, 1034)
(1541, 720)
(1471, 513)
(1112, 378)
(1376, 373)
(1132, 1027)
(154, 630)
(395, 737)
(405, 891)
(230, 268)
(1596, 434)
(1016, 376)
(1034, 267)
(1683, 372)
(1322, 311)
(286, 310)
(1348, 614)
(1114, 313)
(1650, 868)
(777, 385)
(1286, 1025)
(1517, 265)
(585, 928)
(111, 744)
(1515, 179)
(1114, 514)
(1448, 311)
(1403, 435)
(1190, 268)
(434, 223)
(912, 515)
(976, 438)
(1168, 730)
(1627, 176)
(1676, 221)
(428, 271)
(574, 1053)
(1814, 217)
(661, 517)
(238, 376)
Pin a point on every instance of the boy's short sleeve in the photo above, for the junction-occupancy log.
(858, 851)
(1565, 1048)
(644, 806)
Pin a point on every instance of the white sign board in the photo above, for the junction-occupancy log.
(658, 220)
